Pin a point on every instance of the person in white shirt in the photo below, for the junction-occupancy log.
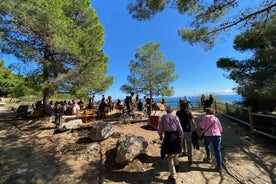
(76, 107)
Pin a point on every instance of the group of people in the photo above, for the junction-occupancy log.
(185, 101)
(103, 106)
(175, 131)
(205, 103)
(137, 103)
(67, 107)
(72, 106)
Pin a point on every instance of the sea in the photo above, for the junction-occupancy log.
(195, 100)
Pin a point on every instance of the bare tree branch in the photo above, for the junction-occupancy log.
(267, 9)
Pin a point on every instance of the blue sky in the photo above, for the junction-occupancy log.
(196, 68)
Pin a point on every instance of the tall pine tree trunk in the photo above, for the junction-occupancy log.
(47, 92)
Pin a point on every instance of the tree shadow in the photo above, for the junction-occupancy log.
(236, 138)
(260, 164)
(84, 140)
(124, 173)
(27, 160)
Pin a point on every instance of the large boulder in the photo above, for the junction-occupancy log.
(129, 147)
(71, 125)
(100, 131)
(25, 111)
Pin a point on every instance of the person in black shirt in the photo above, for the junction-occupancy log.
(186, 119)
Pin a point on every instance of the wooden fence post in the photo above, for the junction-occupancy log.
(227, 108)
(251, 121)
(215, 106)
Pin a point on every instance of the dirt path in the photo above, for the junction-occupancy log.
(31, 152)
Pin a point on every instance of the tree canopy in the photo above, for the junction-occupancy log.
(6, 79)
(10, 83)
(6, 76)
(58, 41)
(256, 76)
(150, 74)
(209, 19)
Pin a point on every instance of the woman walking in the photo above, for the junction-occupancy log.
(212, 129)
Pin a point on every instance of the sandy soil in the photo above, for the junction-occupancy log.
(32, 152)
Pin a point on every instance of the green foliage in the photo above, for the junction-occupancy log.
(209, 19)
(145, 9)
(62, 96)
(6, 76)
(150, 73)
(63, 38)
(15, 85)
(255, 77)
(199, 35)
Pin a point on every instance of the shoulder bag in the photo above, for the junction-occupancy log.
(202, 135)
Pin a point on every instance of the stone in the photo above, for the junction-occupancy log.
(73, 124)
(100, 131)
(25, 111)
(129, 147)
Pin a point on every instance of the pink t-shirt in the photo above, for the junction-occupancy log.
(210, 120)
(170, 122)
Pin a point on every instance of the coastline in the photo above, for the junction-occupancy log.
(195, 100)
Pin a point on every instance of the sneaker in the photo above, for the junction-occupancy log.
(176, 168)
(184, 154)
(172, 180)
(207, 160)
(218, 169)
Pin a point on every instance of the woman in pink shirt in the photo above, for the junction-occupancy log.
(212, 129)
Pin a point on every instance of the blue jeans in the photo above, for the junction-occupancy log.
(216, 141)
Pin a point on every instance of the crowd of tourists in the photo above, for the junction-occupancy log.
(70, 107)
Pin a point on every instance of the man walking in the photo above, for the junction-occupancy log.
(171, 146)
(186, 119)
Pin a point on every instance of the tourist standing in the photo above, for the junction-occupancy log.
(75, 107)
(202, 99)
(163, 101)
(186, 102)
(171, 146)
(211, 100)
